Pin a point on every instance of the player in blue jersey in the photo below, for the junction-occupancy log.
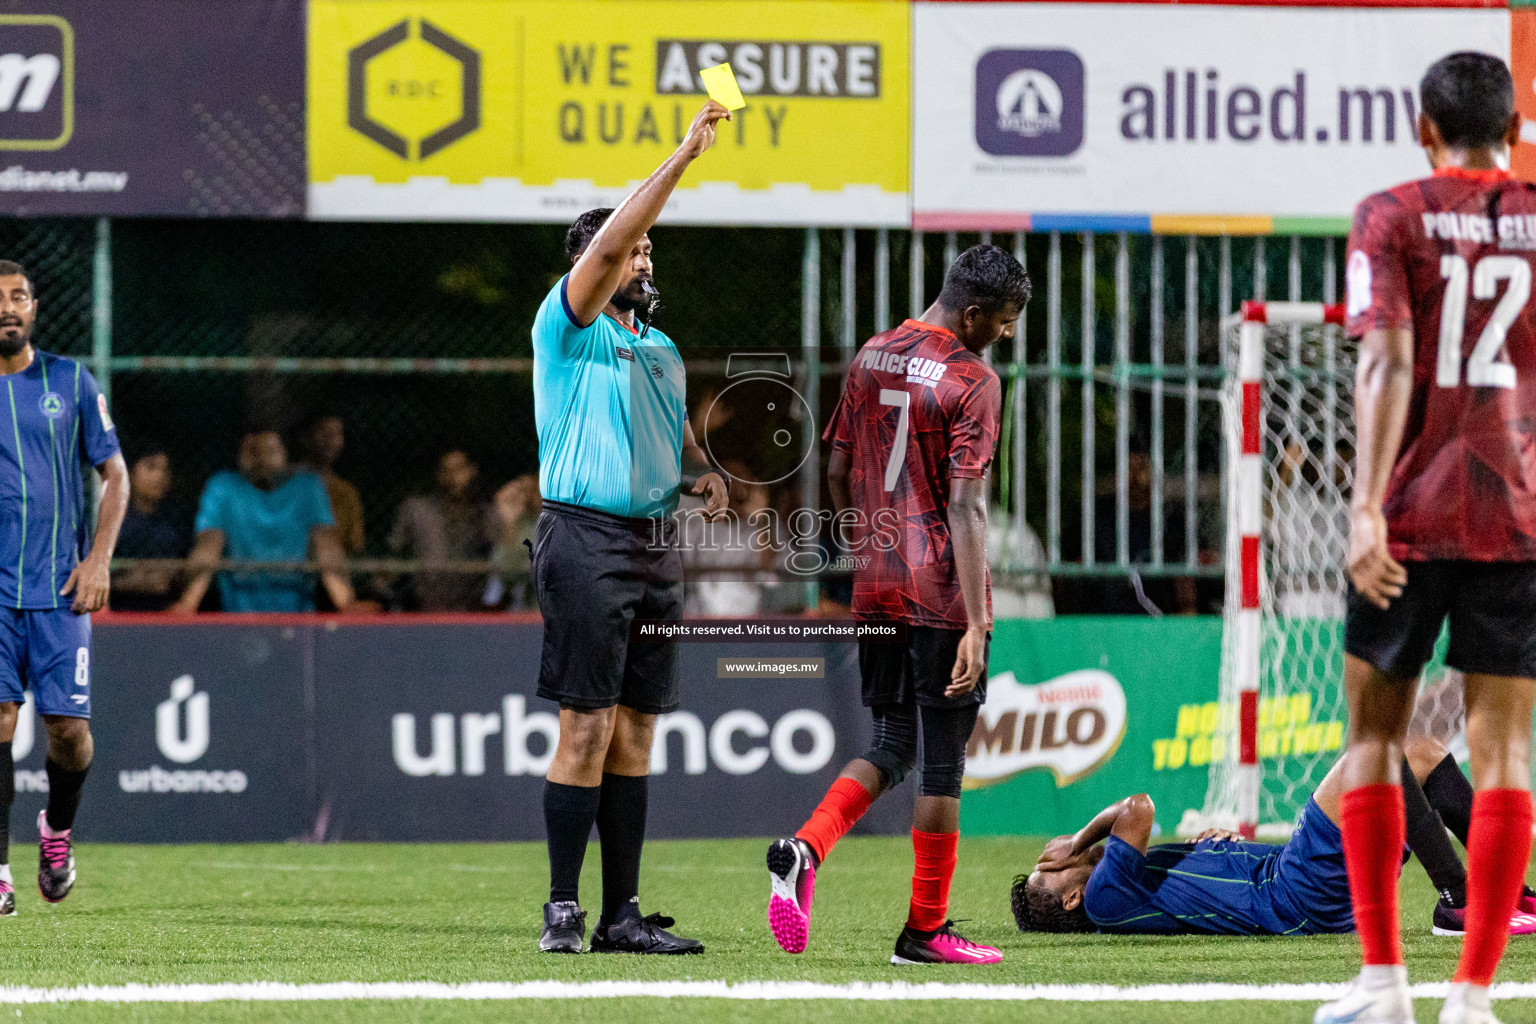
(52, 575)
(615, 451)
(1107, 878)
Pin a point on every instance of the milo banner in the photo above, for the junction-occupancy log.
(153, 108)
(536, 110)
(1082, 711)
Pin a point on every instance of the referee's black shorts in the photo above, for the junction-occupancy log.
(1491, 605)
(595, 572)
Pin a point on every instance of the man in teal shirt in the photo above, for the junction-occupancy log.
(265, 513)
(615, 451)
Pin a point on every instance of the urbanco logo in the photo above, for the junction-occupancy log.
(183, 732)
(182, 744)
(1030, 102)
(738, 742)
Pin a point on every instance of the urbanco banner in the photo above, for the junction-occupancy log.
(1171, 118)
(444, 738)
(536, 110)
(156, 108)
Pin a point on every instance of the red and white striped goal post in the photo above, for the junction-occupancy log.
(1250, 512)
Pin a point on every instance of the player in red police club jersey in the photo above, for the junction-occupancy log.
(912, 439)
(1443, 522)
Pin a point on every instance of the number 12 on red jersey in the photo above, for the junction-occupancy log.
(1485, 367)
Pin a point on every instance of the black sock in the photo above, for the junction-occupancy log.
(1429, 843)
(621, 827)
(63, 794)
(7, 797)
(1450, 794)
(569, 812)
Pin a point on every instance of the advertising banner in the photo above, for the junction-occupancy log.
(1083, 710)
(1176, 119)
(406, 732)
(156, 108)
(200, 737)
(439, 736)
(537, 110)
(1522, 66)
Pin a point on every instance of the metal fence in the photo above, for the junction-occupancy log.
(417, 335)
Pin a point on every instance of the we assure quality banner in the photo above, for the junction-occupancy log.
(536, 110)
(1171, 118)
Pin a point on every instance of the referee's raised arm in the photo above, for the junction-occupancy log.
(598, 272)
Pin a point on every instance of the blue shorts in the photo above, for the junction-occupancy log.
(49, 652)
(1310, 885)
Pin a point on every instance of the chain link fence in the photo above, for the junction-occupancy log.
(417, 337)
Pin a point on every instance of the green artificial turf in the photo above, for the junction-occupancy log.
(455, 913)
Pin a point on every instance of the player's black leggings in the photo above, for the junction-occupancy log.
(944, 731)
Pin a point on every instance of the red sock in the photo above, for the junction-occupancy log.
(932, 868)
(1375, 828)
(844, 804)
(1498, 848)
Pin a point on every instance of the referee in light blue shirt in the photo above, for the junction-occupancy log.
(52, 576)
(614, 449)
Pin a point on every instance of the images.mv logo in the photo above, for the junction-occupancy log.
(1029, 102)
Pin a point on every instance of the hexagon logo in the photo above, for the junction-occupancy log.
(413, 89)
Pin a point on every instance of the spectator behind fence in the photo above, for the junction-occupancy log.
(517, 506)
(153, 528)
(451, 524)
(271, 513)
(323, 440)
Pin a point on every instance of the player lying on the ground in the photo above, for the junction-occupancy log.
(1106, 878)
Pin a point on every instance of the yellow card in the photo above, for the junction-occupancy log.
(720, 80)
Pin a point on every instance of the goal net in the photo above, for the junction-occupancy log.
(1279, 720)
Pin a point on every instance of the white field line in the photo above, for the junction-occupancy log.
(270, 991)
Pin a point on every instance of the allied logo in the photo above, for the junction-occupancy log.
(37, 82)
(1029, 102)
(1070, 725)
(413, 89)
(51, 404)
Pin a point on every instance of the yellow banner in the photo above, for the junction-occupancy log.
(538, 109)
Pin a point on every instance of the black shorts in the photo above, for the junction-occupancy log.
(917, 671)
(595, 572)
(1491, 605)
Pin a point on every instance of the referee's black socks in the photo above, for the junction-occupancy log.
(569, 813)
(621, 827)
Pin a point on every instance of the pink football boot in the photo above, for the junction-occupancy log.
(946, 946)
(792, 872)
